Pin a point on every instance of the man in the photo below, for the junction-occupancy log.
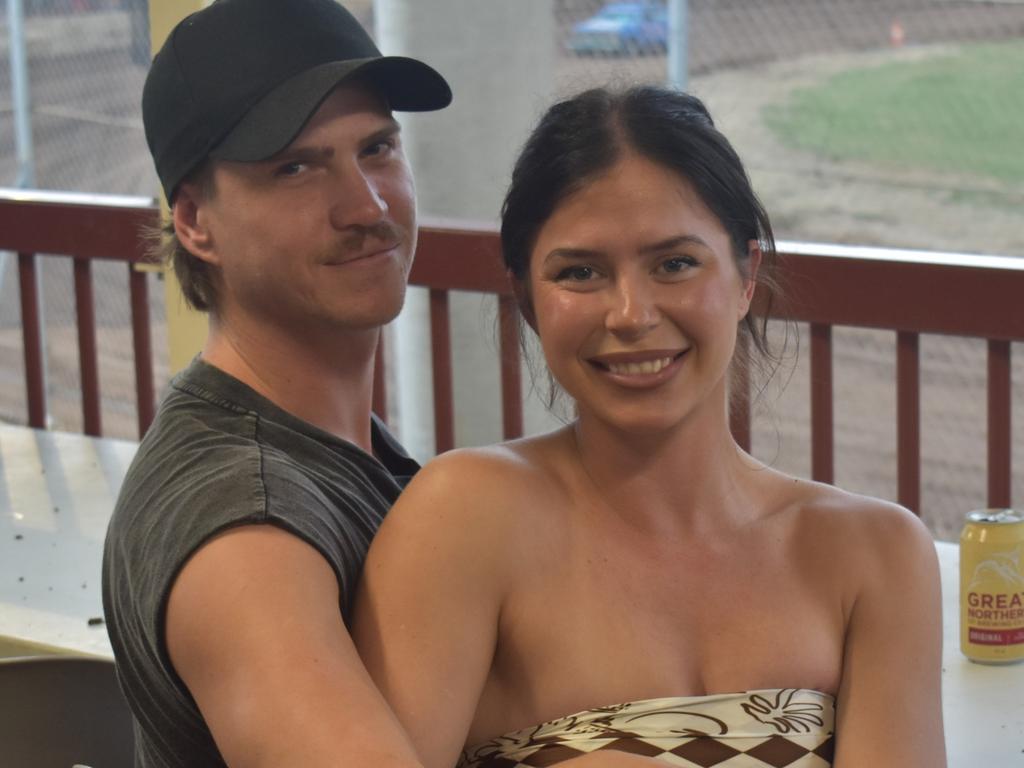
(242, 524)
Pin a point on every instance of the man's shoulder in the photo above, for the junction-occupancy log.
(191, 441)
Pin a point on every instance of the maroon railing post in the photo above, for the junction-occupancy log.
(822, 445)
(32, 340)
(441, 344)
(143, 348)
(739, 396)
(999, 422)
(511, 386)
(85, 313)
(380, 391)
(908, 421)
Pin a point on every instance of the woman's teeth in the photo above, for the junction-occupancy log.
(635, 369)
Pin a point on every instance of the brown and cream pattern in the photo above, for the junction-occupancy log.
(777, 728)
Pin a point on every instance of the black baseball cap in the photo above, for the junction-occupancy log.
(239, 79)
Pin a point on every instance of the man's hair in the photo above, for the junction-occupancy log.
(197, 277)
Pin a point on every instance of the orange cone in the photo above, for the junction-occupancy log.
(896, 34)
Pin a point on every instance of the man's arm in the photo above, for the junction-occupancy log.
(255, 631)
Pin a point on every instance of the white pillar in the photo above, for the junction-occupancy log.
(678, 44)
(498, 57)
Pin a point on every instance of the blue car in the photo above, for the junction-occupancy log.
(622, 28)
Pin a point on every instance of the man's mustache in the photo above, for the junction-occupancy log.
(360, 238)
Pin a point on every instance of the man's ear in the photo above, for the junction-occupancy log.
(190, 224)
(522, 294)
(754, 257)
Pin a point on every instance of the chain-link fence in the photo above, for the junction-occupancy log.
(879, 122)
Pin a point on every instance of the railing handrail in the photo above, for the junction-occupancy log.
(113, 224)
(901, 255)
(862, 289)
(53, 197)
(74, 224)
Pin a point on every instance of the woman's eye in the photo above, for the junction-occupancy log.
(677, 264)
(578, 274)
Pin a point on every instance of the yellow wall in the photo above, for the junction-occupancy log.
(186, 328)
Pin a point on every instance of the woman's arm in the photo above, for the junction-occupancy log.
(427, 610)
(889, 708)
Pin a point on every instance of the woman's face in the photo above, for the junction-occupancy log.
(636, 298)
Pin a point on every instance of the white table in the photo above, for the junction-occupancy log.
(57, 492)
(982, 705)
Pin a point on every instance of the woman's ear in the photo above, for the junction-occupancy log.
(754, 257)
(190, 223)
(522, 293)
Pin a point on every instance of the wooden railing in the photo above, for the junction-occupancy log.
(910, 293)
(84, 228)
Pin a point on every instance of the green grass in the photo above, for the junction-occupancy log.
(961, 113)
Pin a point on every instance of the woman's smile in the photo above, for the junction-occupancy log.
(639, 369)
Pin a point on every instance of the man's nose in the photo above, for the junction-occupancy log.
(632, 309)
(357, 201)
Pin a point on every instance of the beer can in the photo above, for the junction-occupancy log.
(992, 586)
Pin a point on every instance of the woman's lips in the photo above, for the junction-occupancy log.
(639, 367)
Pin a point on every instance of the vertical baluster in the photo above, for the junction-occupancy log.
(142, 347)
(739, 396)
(822, 446)
(32, 340)
(511, 387)
(380, 391)
(441, 344)
(908, 420)
(999, 416)
(85, 315)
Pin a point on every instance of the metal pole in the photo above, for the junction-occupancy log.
(678, 44)
(22, 107)
(20, 95)
(22, 114)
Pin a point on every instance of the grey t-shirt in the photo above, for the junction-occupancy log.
(219, 455)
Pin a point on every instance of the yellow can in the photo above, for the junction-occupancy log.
(992, 586)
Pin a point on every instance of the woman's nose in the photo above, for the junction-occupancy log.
(632, 310)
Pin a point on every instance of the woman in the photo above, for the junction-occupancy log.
(638, 554)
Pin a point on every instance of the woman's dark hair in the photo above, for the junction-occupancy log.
(582, 137)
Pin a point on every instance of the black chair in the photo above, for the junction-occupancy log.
(60, 711)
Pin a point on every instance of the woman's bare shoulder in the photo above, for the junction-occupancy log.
(864, 528)
(488, 491)
(491, 470)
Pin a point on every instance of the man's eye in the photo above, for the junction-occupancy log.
(579, 274)
(379, 148)
(289, 169)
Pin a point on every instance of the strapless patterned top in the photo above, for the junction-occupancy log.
(777, 728)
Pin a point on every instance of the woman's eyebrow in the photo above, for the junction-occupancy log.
(674, 242)
(572, 253)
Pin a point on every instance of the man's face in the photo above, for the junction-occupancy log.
(321, 236)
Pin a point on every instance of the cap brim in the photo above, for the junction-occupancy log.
(276, 119)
